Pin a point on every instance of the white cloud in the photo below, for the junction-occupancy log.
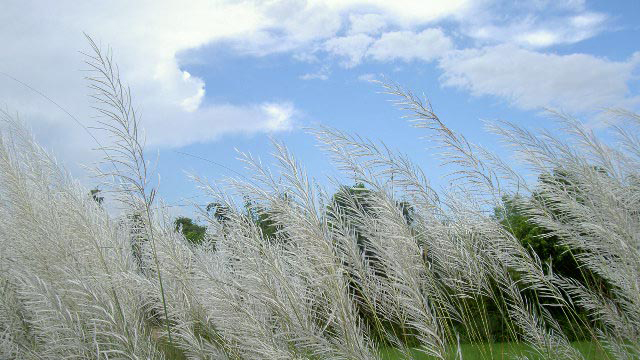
(41, 44)
(192, 103)
(529, 79)
(293, 24)
(426, 45)
(213, 121)
(289, 25)
(370, 24)
(524, 33)
(322, 74)
(369, 77)
(533, 25)
(538, 38)
(314, 76)
(407, 45)
(280, 116)
(408, 13)
(352, 47)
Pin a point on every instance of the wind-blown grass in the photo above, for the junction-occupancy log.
(343, 277)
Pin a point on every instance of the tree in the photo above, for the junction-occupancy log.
(95, 195)
(193, 232)
(220, 212)
(358, 196)
(546, 245)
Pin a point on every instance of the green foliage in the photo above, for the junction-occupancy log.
(350, 199)
(548, 246)
(193, 232)
(263, 217)
(499, 350)
(545, 245)
(266, 224)
(220, 212)
(95, 195)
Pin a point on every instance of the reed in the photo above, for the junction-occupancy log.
(345, 276)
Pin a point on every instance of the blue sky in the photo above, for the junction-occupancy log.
(214, 76)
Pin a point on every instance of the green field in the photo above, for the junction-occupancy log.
(499, 351)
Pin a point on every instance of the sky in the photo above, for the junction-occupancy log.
(210, 78)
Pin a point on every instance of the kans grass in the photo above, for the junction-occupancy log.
(349, 276)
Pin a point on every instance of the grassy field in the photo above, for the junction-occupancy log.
(299, 273)
(500, 351)
(497, 351)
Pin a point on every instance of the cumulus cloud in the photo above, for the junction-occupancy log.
(216, 120)
(530, 79)
(352, 48)
(537, 24)
(426, 45)
(370, 24)
(41, 43)
(290, 25)
(409, 12)
(530, 33)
